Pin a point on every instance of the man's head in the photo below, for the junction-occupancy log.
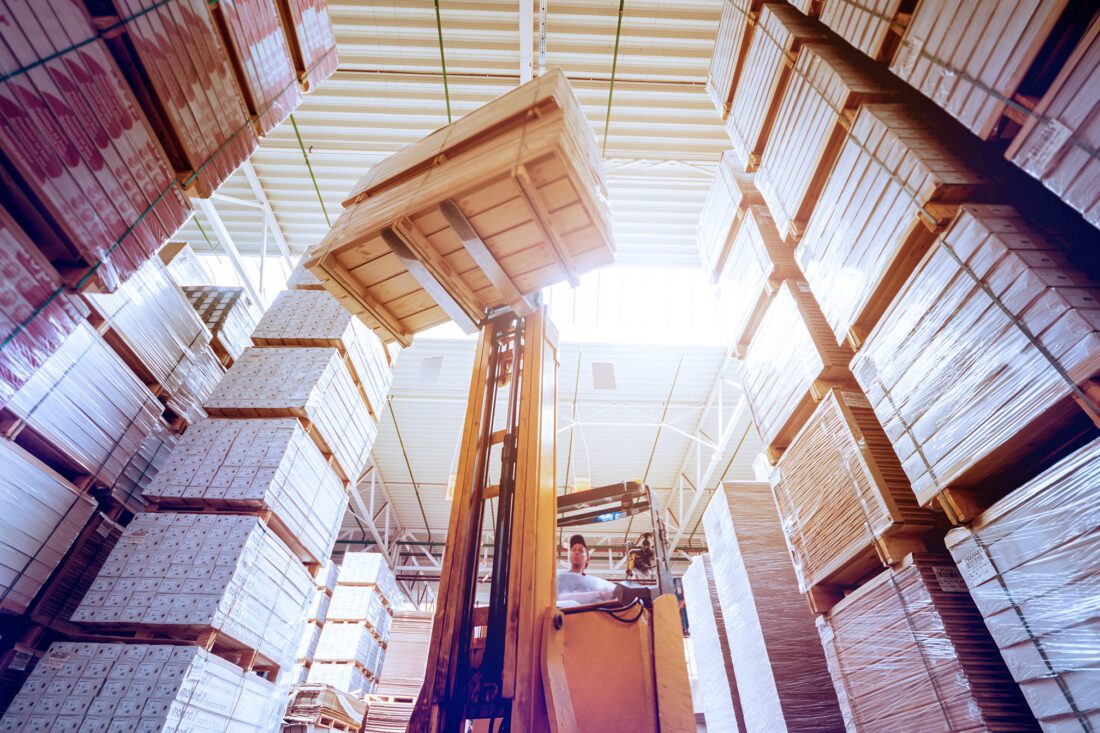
(578, 554)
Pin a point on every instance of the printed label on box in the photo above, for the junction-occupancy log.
(950, 580)
(855, 400)
(908, 55)
(976, 567)
(55, 659)
(1050, 139)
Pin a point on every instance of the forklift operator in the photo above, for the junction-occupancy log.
(575, 588)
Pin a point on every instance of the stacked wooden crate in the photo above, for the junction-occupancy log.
(781, 676)
(1029, 561)
(140, 687)
(478, 215)
(721, 701)
(228, 314)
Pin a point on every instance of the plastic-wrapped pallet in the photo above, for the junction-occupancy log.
(311, 38)
(387, 716)
(406, 654)
(88, 405)
(735, 30)
(309, 703)
(187, 87)
(899, 176)
(730, 194)
(35, 315)
(782, 679)
(318, 605)
(1057, 143)
(184, 266)
(908, 651)
(986, 342)
(316, 318)
(99, 179)
(155, 325)
(717, 682)
(827, 81)
(143, 467)
(872, 26)
(302, 279)
(359, 603)
(307, 644)
(1031, 564)
(844, 502)
(346, 642)
(368, 568)
(175, 573)
(251, 31)
(791, 361)
(258, 464)
(227, 312)
(141, 687)
(345, 676)
(41, 514)
(781, 30)
(310, 383)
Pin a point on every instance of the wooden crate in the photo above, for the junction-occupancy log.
(182, 76)
(311, 40)
(478, 215)
(986, 361)
(269, 466)
(781, 674)
(769, 60)
(91, 184)
(846, 507)
(970, 58)
(1057, 144)
(875, 27)
(758, 264)
(731, 193)
(790, 365)
(827, 86)
(315, 318)
(735, 30)
(35, 313)
(253, 34)
(898, 181)
(312, 384)
(908, 651)
(1030, 563)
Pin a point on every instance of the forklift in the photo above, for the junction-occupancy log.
(503, 656)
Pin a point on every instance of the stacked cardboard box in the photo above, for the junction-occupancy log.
(139, 472)
(103, 193)
(717, 680)
(227, 312)
(302, 279)
(41, 514)
(387, 716)
(310, 383)
(425, 237)
(1030, 562)
(269, 464)
(35, 314)
(152, 325)
(782, 678)
(225, 574)
(908, 651)
(311, 39)
(730, 196)
(319, 707)
(735, 32)
(315, 318)
(84, 686)
(872, 26)
(406, 654)
(981, 351)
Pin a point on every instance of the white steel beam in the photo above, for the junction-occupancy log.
(206, 206)
(526, 41)
(270, 222)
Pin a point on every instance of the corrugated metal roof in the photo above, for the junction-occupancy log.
(663, 140)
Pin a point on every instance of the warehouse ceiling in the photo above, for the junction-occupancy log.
(672, 416)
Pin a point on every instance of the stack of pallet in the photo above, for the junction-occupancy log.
(480, 214)
(319, 708)
(352, 646)
(1029, 561)
(97, 686)
(151, 324)
(717, 678)
(406, 654)
(387, 716)
(782, 681)
(228, 314)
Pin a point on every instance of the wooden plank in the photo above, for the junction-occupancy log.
(421, 269)
(674, 709)
(559, 704)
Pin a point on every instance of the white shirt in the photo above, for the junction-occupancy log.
(575, 589)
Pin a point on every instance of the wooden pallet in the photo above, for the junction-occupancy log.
(828, 85)
(735, 31)
(875, 27)
(731, 193)
(790, 366)
(1053, 144)
(770, 58)
(897, 183)
(1005, 379)
(477, 216)
(844, 501)
(1017, 39)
